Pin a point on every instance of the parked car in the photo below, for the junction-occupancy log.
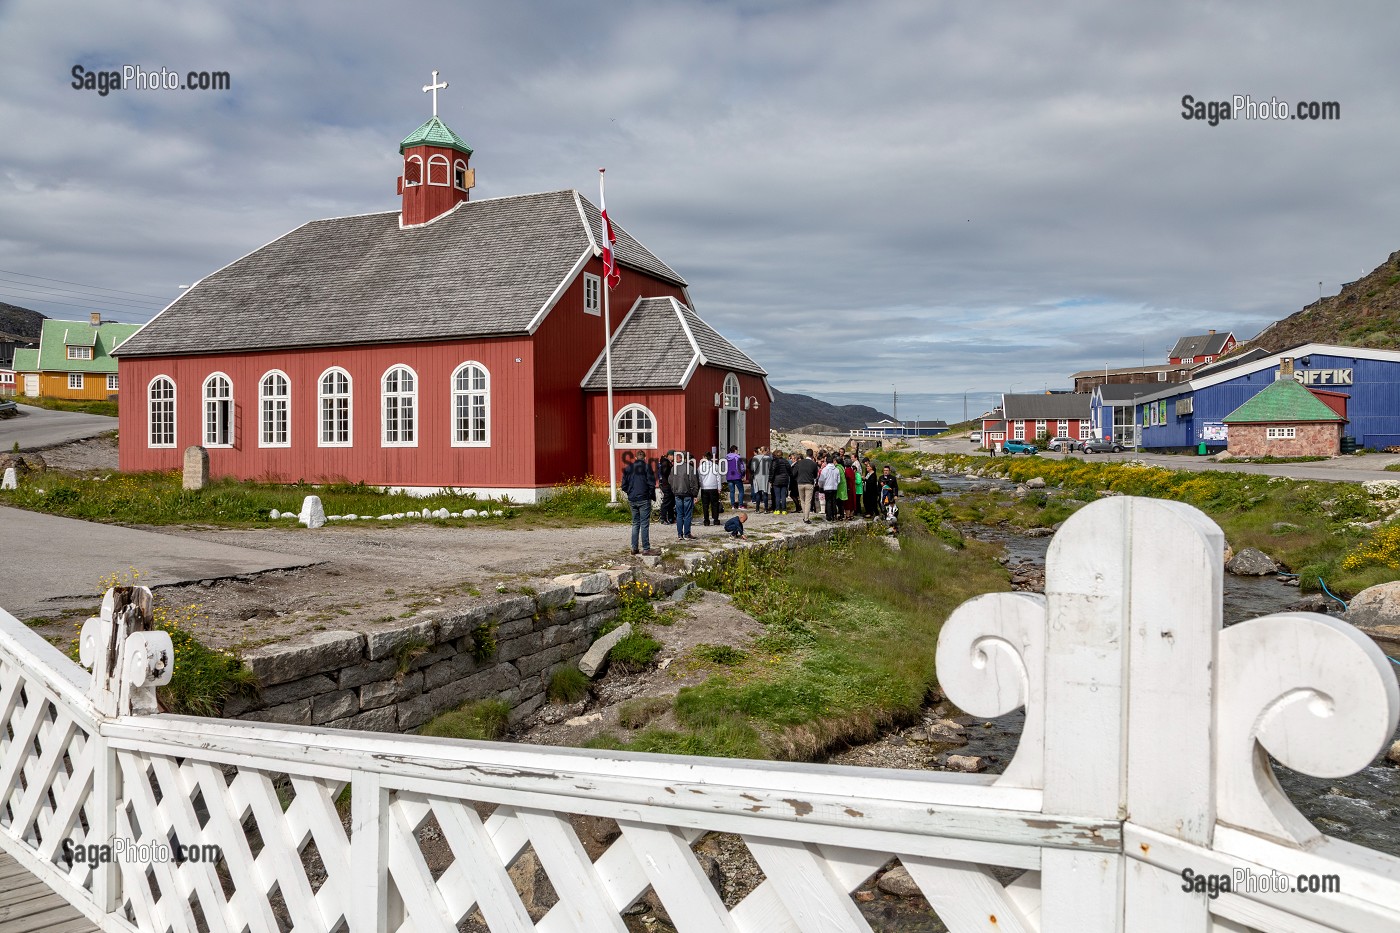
(1101, 445)
(975, 437)
(1062, 443)
(1018, 447)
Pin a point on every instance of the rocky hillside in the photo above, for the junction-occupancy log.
(19, 322)
(792, 410)
(1364, 313)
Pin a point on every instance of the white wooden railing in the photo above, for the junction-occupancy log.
(1143, 755)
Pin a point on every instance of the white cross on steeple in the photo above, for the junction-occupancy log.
(435, 87)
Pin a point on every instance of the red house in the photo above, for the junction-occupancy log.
(448, 343)
(1027, 417)
(1203, 348)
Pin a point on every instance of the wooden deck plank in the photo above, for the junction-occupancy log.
(27, 905)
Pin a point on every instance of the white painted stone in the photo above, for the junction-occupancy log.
(597, 653)
(469, 513)
(398, 515)
(334, 518)
(497, 513)
(313, 515)
(385, 518)
(351, 517)
(455, 515)
(274, 514)
(11, 481)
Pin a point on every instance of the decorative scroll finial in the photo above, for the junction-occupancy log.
(127, 658)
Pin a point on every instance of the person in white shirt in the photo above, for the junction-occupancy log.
(711, 475)
(829, 479)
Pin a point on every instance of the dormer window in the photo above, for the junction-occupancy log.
(437, 170)
(459, 175)
(80, 353)
(592, 301)
(413, 171)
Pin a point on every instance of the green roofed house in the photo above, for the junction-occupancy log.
(73, 360)
(1285, 419)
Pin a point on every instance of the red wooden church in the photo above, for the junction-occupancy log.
(448, 343)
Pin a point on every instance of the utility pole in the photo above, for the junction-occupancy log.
(896, 403)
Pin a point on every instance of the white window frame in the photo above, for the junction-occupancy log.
(470, 396)
(264, 397)
(79, 378)
(1039, 426)
(422, 172)
(1085, 429)
(151, 412)
(439, 159)
(1062, 427)
(324, 398)
(230, 414)
(1161, 375)
(628, 439)
(113, 384)
(405, 401)
(1281, 433)
(592, 294)
(731, 392)
(1018, 430)
(80, 353)
(463, 166)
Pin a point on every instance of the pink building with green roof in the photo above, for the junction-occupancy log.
(1284, 419)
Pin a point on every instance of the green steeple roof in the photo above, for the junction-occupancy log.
(435, 133)
(1283, 400)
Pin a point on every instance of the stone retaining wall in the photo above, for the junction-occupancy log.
(394, 678)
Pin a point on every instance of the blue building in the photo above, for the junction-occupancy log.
(1361, 384)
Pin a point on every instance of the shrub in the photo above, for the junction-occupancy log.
(568, 685)
(483, 720)
(484, 642)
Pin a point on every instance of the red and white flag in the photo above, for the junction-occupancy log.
(611, 274)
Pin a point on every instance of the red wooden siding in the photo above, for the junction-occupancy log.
(565, 346)
(421, 203)
(668, 410)
(507, 462)
(1051, 428)
(702, 417)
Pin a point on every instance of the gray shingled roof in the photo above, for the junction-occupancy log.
(485, 268)
(655, 348)
(1116, 392)
(1047, 407)
(1199, 345)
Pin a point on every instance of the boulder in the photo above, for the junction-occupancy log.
(1251, 562)
(196, 472)
(897, 882)
(313, 515)
(593, 658)
(968, 763)
(1035, 482)
(1375, 606)
(1394, 753)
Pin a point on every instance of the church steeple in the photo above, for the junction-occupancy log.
(436, 176)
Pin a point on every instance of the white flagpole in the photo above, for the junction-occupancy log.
(607, 353)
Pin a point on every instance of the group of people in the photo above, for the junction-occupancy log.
(835, 483)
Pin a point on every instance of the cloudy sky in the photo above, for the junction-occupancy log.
(941, 197)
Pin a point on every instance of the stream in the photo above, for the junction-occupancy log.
(1363, 808)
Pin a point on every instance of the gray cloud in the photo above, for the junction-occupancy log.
(937, 196)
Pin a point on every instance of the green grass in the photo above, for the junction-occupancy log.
(95, 406)
(850, 631)
(1393, 468)
(568, 685)
(158, 499)
(634, 714)
(1245, 505)
(483, 720)
(722, 655)
(919, 487)
(634, 652)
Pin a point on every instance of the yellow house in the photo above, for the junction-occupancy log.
(73, 360)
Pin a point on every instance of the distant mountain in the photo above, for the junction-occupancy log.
(20, 322)
(1364, 313)
(793, 410)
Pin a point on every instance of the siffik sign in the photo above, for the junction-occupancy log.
(1323, 377)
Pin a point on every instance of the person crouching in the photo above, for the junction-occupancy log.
(735, 526)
